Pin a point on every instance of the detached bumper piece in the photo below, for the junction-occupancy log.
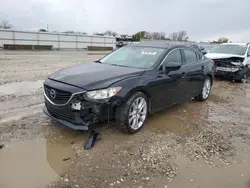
(91, 140)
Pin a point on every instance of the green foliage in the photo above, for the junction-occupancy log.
(222, 40)
(99, 48)
(138, 36)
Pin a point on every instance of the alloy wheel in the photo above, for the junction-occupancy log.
(137, 113)
(206, 89)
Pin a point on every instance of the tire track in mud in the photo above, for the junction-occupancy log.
(20, 100)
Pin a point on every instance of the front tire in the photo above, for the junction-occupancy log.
(243, 75)
(206, 90)
(131, 115)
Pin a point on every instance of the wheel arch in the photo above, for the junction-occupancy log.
(142, 90)
(211, 77)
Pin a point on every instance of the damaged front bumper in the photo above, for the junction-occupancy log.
(230, 68)
(66, 104)
(85, 118)
(81, 127)
(231, 73)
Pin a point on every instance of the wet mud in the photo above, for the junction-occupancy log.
(196, 144)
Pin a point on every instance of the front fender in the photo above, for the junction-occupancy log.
(132, 85)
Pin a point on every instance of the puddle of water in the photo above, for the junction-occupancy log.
(20, 88)
(178, 119)
(216, 98)
(165, 122)
(35, 163)
(201, 175)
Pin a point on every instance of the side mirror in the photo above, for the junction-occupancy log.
(171, 66)
(204, 52)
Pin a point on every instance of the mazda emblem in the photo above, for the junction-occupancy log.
(52, 93)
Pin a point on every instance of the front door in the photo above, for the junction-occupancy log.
(169, 85)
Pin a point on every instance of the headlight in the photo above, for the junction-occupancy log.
(103, 93)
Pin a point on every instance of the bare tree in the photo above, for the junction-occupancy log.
(182, 36)
(148, 35)
(98, 34)
(114, 33)
(110, 33)
(155, 35)
(179, 36)
(5, 24)
(173, 36)
(162, 35)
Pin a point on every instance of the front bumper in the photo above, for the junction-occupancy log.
(81, 127)
(86, 117)
(235, 74)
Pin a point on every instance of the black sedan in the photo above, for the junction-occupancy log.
(127, 85)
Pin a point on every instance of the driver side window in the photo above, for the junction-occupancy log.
(174, 56)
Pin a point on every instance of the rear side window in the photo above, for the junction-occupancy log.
(198, 56)
(190, 56)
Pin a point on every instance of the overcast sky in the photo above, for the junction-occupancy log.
(202, 19)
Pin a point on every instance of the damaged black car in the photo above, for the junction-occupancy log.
(127, 85)
(232, 60)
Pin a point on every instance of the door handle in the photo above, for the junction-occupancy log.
(183, 74)
(202, 67)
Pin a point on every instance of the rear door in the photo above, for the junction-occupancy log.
(194, 71)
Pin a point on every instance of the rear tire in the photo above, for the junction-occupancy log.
(206, 90)
(131, 115)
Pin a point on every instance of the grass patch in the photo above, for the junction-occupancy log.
(99, 48)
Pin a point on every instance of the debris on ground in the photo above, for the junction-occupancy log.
(66, 159)
(195, 116)
(91, 140)
(1, 146)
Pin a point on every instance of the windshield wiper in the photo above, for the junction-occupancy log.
(97, 61)
(117, 65)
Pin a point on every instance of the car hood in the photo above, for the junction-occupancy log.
(221, 56)
(94, 75)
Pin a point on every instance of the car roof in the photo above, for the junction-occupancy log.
(164, 45)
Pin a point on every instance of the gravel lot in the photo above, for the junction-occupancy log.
(191, 145)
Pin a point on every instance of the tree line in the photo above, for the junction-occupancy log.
(175, 36)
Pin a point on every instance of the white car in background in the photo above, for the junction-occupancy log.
(231, 60)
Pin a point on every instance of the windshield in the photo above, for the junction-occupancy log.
(229, 49)
(137, 57)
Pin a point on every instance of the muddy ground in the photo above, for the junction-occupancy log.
(194, 145)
